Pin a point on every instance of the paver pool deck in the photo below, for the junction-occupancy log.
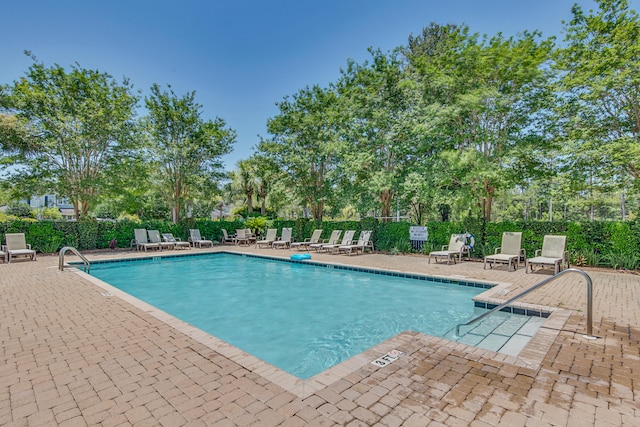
(73, 353)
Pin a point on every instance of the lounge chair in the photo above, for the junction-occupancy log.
(457, 246)
(241, 237)
(176, 242)
(141, 240)
(552, 253)
(226, 238)
(333, 247)
(315, 238)
(284, 241)
(364, 241)
(269, 238)
(332, 240)
(510, 251)
(196, 239)
(154, 237)
(250, 235)
(17, 246)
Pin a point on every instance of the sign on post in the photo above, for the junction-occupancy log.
(418, 235)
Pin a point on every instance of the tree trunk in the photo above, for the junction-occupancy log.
(385, 199)
(317, 210)
(250, 202)
(175, 212)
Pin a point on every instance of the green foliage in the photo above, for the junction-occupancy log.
(186, 149)
(20, 210)
(257, 224)
(72, 127)
(393, 235)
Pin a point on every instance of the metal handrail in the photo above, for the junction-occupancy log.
(533, 288)
(75, 251)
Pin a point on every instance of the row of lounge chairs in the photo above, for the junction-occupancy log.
(510, 252)
(333, 244)
(151, 239)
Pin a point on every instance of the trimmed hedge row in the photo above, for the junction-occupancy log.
(606, 243)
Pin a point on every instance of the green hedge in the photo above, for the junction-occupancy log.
(598, 243)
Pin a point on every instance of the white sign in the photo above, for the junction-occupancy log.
(392, 356)
(419, 233)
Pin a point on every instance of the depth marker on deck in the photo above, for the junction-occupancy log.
(390, 357)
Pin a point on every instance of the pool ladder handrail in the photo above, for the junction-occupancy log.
(64, 250)
(538, 285)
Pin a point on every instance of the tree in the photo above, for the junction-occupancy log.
(384, 126)
(600, 84)
(495, 92)
(68, 129)
(305, 145)
(185, 149)
(247, 182)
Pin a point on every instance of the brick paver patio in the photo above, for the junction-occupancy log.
(72, 355)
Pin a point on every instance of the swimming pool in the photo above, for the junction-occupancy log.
(298, 317)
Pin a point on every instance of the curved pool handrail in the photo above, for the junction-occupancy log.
(538, 285)
(64, 250)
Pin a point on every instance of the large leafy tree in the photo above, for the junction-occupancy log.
(495, 93)
(600, 83)
(306, 145)
(67, 131)
(384, 126)
(185, 149)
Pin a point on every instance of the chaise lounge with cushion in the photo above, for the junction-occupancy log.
(510, 251)
(553, 253)
(457, 247)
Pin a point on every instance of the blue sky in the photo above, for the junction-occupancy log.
(243, 56)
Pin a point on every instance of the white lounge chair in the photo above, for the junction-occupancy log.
(457, 246)
(175, 241)
(226, 238)
(196, 239)
(364, 241)
(284, 241)
(16, 245)
(141, 240)
(269, 238)
(510, 252)
(315, 238)
(552, 253)
(154, 237)
(333, 247)
(332, 240)
(241, 237)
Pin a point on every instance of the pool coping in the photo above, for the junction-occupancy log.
(530, 356)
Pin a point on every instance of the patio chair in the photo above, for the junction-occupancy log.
(141, 240)
(195, 238)
(552, 253)
(154, 237)
(226, 238)
(16, 245)
(510, 251)
(315, 238)
(364, 241)
(241, 237)
(333, 247)
(175, 241)
(457, 246)
(332, 240)
(250, 235)
(269, 238)
(284, 241)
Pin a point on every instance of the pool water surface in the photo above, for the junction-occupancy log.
(298, 317)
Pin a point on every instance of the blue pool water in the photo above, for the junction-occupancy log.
(298, 317)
